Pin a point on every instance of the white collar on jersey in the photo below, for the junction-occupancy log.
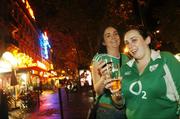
(154, 55)
(105, 54)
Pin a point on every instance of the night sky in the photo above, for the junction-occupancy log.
(73, 25)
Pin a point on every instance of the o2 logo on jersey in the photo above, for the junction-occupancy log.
(139, 91)
(153, 67)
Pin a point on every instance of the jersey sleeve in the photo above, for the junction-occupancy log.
(174, 67)
(95, 58)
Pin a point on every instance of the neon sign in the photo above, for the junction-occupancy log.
(45, 46)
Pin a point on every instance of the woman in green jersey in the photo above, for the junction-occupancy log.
(151, 80)
(110, 52)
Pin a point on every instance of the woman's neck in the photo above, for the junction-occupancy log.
(143, 62)
(114, 53)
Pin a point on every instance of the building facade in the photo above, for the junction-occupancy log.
(25, 50)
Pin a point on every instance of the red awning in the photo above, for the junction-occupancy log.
(31, 68)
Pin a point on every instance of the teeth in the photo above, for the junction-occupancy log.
(133, 51)
(114, 41)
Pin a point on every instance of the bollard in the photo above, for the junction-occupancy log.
(60, 103)
(38, 100)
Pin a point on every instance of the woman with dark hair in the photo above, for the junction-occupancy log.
(110, 49)
(150, 81)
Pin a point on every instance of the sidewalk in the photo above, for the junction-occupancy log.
(74, 107)
(49, 107)
(77, 106)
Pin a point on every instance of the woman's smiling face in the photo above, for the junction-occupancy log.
(136, 44)
(111, 38)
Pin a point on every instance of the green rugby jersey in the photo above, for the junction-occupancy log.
(149, 95)
(106, 98)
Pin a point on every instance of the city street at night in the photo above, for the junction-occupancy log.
(75, 107)
(58, 56)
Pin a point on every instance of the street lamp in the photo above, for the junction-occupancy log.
(10, 58)
(7, 56)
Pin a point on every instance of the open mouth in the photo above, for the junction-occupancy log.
(114, 42)
(133, 51)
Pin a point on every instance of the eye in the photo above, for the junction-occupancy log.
(116, 34)
(134, 40)
(107, 36)
(126, 42)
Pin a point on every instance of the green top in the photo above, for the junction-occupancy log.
(106, 98)
(150, 95)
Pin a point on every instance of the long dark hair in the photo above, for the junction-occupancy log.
(102, 48)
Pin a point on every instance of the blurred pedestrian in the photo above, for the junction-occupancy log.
(109, 49)
(3, 105)
(151, 80)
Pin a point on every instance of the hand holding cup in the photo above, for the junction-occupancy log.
(114, 85)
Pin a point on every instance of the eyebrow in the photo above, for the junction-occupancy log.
(106, 33)
(110, 33)
(130, 38)
(133, 37)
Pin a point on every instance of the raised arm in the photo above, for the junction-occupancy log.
(98, 78)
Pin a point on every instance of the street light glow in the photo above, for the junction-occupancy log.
(126, 50)
(7, 56)
(24, 77)
(157, 31)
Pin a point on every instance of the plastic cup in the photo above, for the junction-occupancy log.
(116, 83)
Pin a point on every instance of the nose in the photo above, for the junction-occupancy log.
(113, 37)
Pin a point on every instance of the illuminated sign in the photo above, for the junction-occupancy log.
(41, 65)
(85, 77)
(45, 46)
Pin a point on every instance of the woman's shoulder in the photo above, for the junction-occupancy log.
(165, 55)
(125, 58)
(98, 56)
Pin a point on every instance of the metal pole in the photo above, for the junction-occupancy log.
(60, 103)
(93, 92)
(14, 87)
(38, 100)
(39, 91)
